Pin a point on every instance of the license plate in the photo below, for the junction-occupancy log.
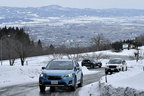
(54, 82)
(112, 69)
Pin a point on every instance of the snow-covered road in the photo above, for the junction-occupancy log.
(32, 89)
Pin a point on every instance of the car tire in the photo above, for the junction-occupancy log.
(106, 72)
(73, 88)
(126, 69)
(42, 88)
(122, 68)
(81, 82)
(52, 89)
(100, 65)
(82, 64)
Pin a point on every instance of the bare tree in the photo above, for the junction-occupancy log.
(99, 41)
(140, 39)
(9, 45)
(56, 56)
(22, 50)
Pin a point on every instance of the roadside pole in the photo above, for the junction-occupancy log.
(105, 76)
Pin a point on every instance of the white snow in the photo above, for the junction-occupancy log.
(90, 90)
(87, 72)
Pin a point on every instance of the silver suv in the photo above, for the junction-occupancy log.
(116, 65)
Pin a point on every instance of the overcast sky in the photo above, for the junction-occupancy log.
(96, 4)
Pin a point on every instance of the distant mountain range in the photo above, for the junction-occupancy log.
(24, 14)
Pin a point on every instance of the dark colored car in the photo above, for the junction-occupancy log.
(61, 73)
(91, 63)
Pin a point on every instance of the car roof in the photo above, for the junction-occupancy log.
(116, 59)
(62, 60)
(89, 59)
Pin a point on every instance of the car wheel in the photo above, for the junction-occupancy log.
(52, 89)
(100, 65)
(126, 69)
(122, 68)
(82, 64)
(73, 88)
(106, 72)
(42, 88)
(81, 82)
(111, 72)
(119, 70)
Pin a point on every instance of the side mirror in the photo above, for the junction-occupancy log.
(76, 68)
(43, 68)
(123, 62)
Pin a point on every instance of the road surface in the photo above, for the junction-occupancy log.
(32, 89)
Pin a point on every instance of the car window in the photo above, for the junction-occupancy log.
(86, 60)
(92, 60)
(60, 65)
(115, 61)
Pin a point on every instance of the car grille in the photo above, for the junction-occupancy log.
(54, 77)
(59, 84)
(112, 66)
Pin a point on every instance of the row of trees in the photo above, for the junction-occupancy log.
(134, 43)
(15, 43)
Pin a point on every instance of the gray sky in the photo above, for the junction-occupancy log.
(96, 4)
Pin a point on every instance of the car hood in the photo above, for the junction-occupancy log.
(114, 64)
(57, 72)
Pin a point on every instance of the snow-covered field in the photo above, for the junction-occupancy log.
(133, 78)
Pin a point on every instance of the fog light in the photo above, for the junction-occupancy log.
(70, 82)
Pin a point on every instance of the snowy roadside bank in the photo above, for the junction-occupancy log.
(109, 90)
(128, 83)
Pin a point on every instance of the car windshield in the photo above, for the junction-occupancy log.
(88, 60)
(115, 61)
(60, 65)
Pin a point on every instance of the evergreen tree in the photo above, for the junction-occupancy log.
(117, 46)
(39, 44)
(52, 48)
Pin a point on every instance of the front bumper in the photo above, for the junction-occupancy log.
(65, 81)
(111, 70)
(98, 64)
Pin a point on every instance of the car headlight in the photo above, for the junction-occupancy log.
(106, 66)
(118, 66)
(42, 75)
(68, 75)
